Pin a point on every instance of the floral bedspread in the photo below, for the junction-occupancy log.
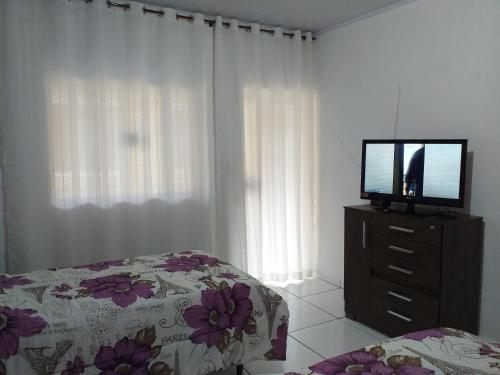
(181, 313)
(437, 351)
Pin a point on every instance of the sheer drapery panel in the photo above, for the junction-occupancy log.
(107, 132)
(266, 154)
(125, 134)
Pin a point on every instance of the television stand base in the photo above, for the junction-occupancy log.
(410, 209)
(380, 204)
(447, 214)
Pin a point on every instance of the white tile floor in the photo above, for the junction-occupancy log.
(318, 328)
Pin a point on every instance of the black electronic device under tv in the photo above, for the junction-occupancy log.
(415, 171)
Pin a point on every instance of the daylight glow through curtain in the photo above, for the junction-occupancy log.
(107, 132)
(266, 154)
(126, 134)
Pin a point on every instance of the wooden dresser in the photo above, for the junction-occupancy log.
(407, 272)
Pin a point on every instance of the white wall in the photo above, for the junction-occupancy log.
(2, 229)
(446, 56)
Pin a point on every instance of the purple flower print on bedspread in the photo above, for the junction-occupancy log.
(9, 282)
(74, 367)
(16, 323)
(220, 310)
(228, 275)
(488, 351)
(206, 260)
(210, 319)
(132, 356)
(190, 263)
(62, 288)
(180, 264)
(278, 352)
(101, 266)
(123, 288)
(127, 357)
(239, 306)
(356, 362)
(421, 335)
(365, 363)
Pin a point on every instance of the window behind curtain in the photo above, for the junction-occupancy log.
(116, 141)
(279, 159)
(109, 125)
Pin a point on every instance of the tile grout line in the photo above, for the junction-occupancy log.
(312, 294)
(362, 330)
(317, 278)
(314, 325)
(326, 281)
(295, 296)
(312, 304)
(346, 322)
(315, 294)
(312, 350)
(329, 313)
(333, 320)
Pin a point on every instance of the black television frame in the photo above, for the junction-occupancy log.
(411, 200)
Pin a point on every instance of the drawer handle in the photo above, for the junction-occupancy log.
(399, 316)
(399, 296)
(401, 229)
(399, 269)
(401, 249)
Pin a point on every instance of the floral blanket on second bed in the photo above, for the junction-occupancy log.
(440, 351)
(173, 314)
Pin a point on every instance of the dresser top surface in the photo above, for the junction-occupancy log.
(424, 216)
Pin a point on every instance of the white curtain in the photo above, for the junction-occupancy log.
(265, 151)
(107, 132)
(126, 133)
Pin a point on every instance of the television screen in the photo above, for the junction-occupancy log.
(428, 172)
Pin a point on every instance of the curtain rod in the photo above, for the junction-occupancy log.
(210, 22)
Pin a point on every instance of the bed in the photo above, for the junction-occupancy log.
(436, 351)
(182, 313)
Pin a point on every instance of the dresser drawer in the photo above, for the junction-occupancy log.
(401, 250)
(403, 309)
(408, 301)
(404, 227)
(407, 272)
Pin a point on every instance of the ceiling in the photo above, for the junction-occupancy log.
(309, 15)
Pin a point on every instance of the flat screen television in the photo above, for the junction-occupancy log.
(416, 171)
